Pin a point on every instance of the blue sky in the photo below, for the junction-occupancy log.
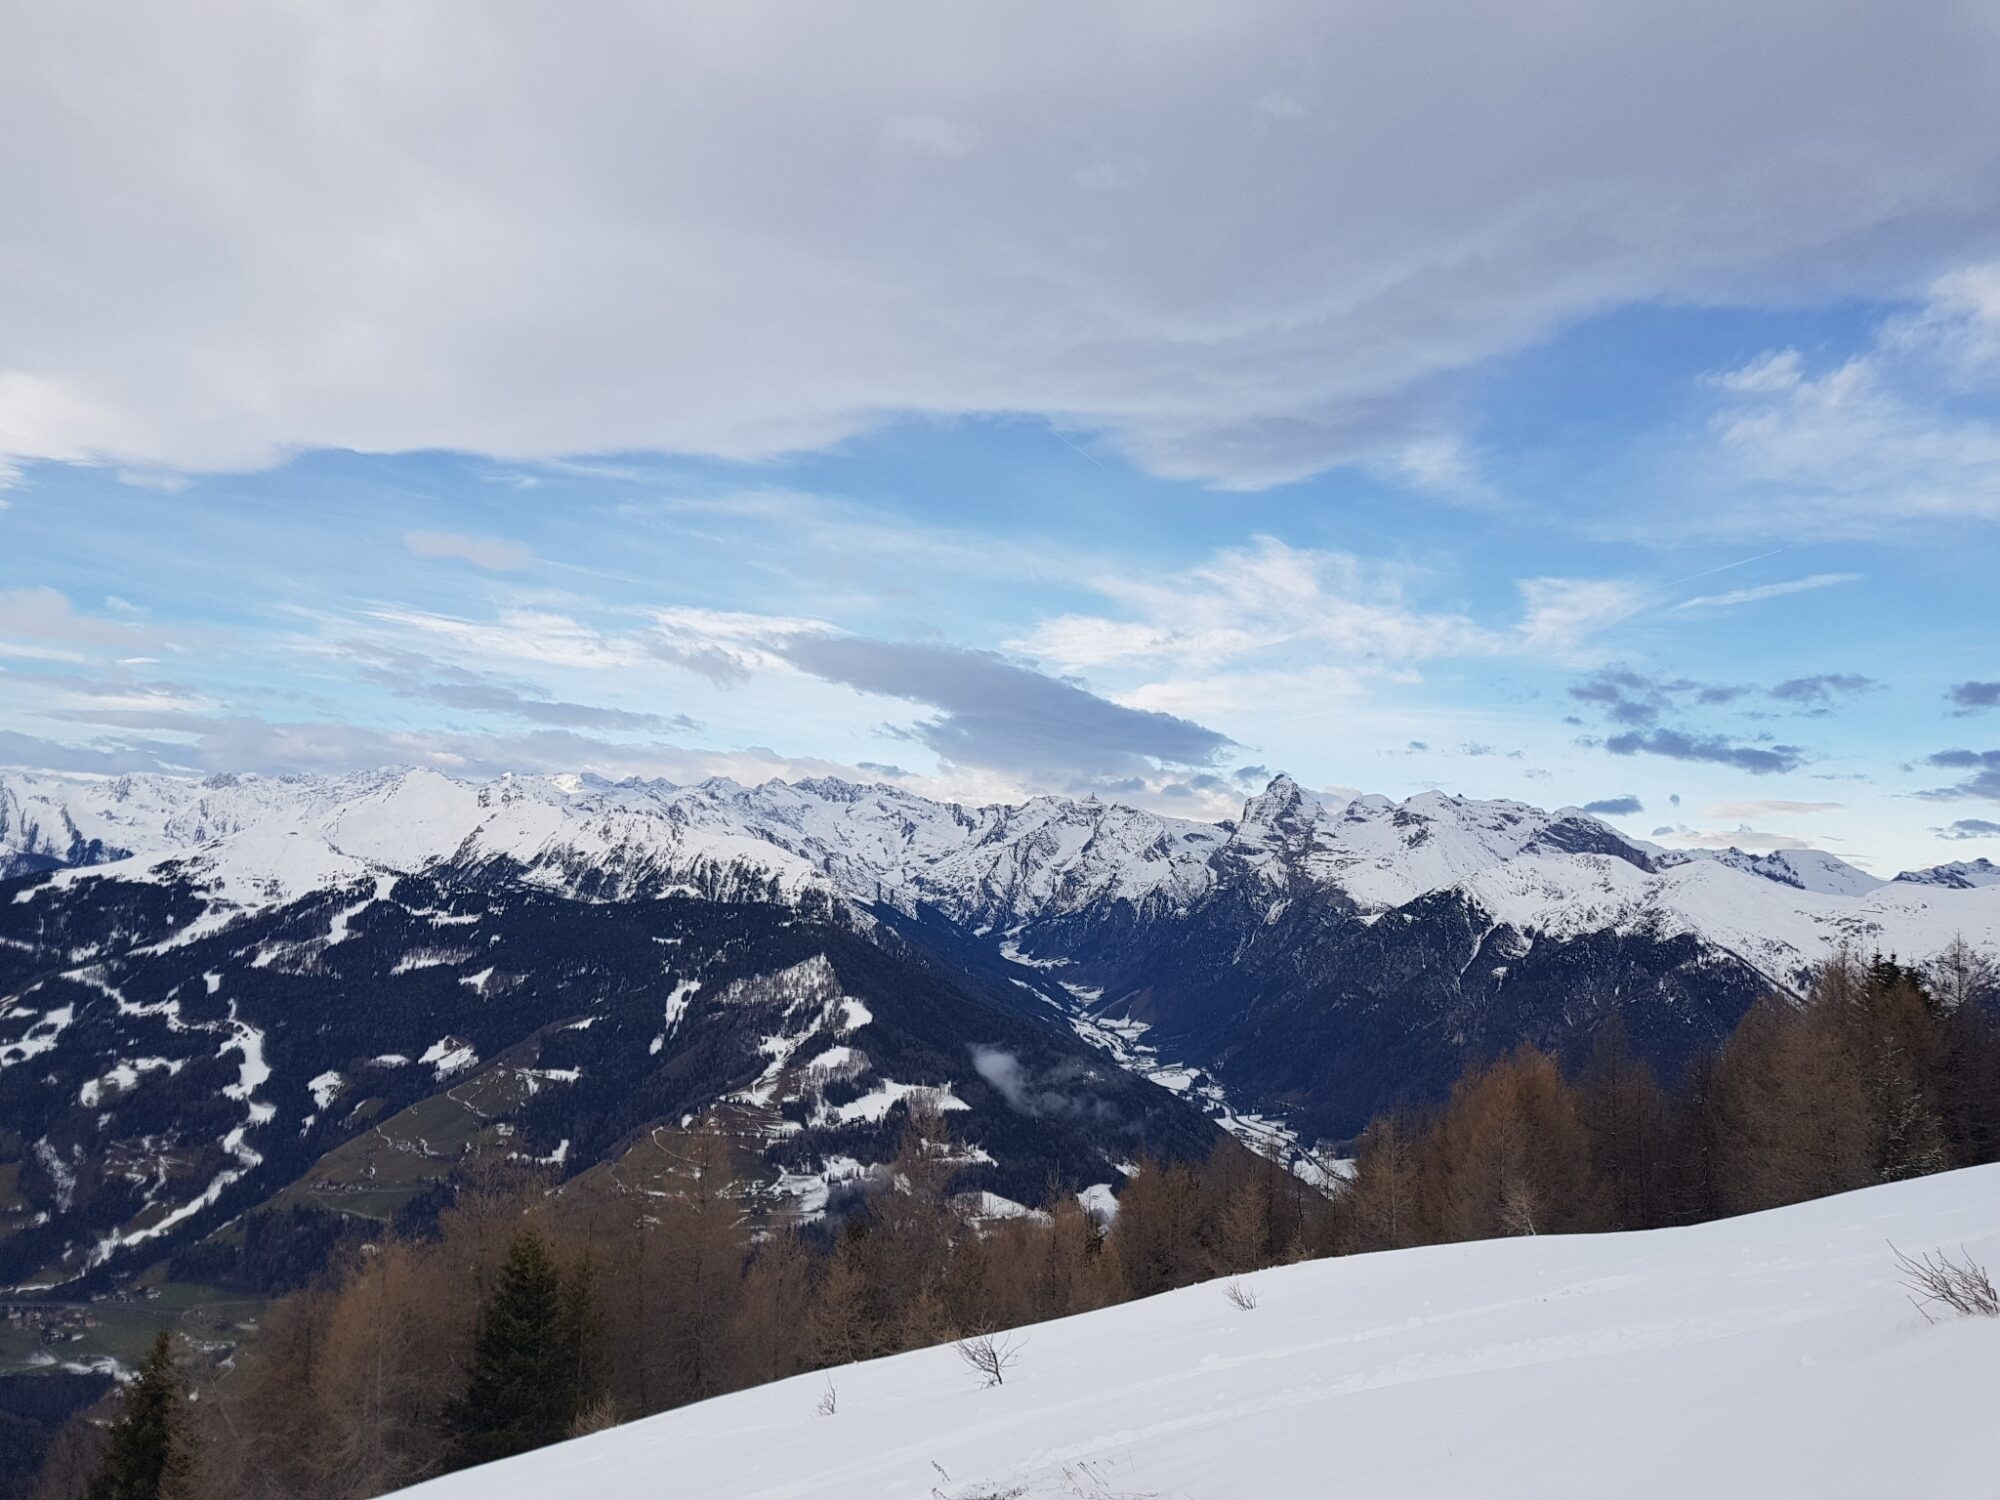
(1122, 401)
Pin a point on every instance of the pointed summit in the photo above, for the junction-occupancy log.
(1280, 819)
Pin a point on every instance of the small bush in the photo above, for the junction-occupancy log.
(1961, 1286)
(599, 1415)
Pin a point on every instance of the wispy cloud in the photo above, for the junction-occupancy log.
(493, 553)
(1765, 591)
(1869, 441)
(1750, 840)
(1244, 602)
(1271, 607)
(1561, 614)
(1764, 807)
(411, 675)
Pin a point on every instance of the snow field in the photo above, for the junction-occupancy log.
(1770, 1356)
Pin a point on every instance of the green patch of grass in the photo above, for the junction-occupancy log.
(379, 1171)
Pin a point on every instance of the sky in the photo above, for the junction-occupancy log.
(1593, 405)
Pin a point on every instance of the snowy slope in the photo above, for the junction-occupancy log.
(1962, 874)
(1000, 865)
(48, 820)
(1774, 1355)
(1382, 854)
(1775, 928)
(1807, 869)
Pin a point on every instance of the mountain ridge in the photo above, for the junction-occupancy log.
(1003, 866)
(1287, 974)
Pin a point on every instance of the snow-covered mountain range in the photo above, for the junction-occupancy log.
(254, 841)
(216, 990)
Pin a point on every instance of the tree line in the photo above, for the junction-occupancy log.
(528, 1314)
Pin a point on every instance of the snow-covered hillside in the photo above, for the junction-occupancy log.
(1807, 869)
(1774, 1355)
(1961, 874)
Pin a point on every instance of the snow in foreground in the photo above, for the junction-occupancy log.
(1767, 1356)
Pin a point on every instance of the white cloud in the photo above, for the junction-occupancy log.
(1870, 441)
(45, 615)
(237, 233)
(726, 646)
(496, 554)
(1442, 466)
(1746, 838)
(1765, 807)
(1247, 601)
(1768, 591)
(530, 635)
(1958, 328)
(1561, 614)
(1274, 629)
(1288, 693)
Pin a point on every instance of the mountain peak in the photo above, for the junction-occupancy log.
(1961, 874)
(1803, 869)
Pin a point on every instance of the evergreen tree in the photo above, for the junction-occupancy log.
(143, 1456)
(526, 1361)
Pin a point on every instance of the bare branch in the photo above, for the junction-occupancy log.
(1961, 1285)
(990, 1355)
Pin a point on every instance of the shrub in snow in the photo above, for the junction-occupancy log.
(990, 1356)
(1962, 1286)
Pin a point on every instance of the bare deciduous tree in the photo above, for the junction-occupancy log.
(990, 1355)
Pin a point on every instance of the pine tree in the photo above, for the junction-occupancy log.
(523, 1392)
(142, 1454)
